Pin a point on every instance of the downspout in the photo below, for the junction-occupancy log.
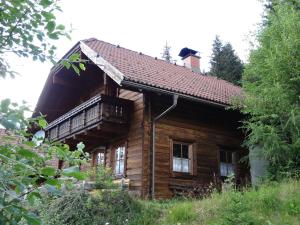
(175, 98)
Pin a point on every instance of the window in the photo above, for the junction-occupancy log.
(120, 160)
(182, 157)
(100, 159)
(227, 163)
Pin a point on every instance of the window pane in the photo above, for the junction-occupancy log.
(122, 152)
(223, 169)
(177, 150)
(185, 165)
(176, 164)
(117, 167)
(229, 157)
(223, 156)
(100, 158)
(185, 151)
(230, 169)
(121, 170)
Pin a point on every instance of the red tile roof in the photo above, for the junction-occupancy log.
(144, 69)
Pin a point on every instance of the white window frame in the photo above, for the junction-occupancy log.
(120, 167)
(227, 168)
(181, 159)
(100, 161)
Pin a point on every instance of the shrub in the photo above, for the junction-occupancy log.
(95, 208)
(103, 177)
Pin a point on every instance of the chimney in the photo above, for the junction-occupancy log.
(191, 59)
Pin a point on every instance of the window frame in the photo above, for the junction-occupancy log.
(191, 158)
(233, 161)
(115, 149)
(95, 155)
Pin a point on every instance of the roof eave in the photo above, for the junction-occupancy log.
(127, 83)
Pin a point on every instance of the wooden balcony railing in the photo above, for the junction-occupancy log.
(97, 110)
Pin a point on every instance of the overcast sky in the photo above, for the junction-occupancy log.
(143, 26)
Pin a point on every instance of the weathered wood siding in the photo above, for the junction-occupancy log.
(206, 127)
(134, 142)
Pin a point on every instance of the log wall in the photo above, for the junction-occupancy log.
(207, 128)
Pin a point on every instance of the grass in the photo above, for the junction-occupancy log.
(271, 204)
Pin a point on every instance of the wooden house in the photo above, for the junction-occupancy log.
(163, 126)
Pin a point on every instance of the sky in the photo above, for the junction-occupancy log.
(143, 26)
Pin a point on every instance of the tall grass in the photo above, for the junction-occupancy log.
(271, 204)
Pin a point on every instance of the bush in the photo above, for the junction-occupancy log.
(103, 177)
(96, 208)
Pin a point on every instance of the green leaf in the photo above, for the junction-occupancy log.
(75, 68)
(70, 170)
(33, 196)
(53, 182)
(74, 57)
(54, 36)
(66, 64)
(45, 3)
(42, 123)
(50, 26)
(48, 171)
(32, 219)
(80, 146)
(82, 66)
(74, 172)
(60, 27)
(28, 153)
(48, 16)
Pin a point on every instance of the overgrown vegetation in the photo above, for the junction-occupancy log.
(99, 207)
(271, 83)
(102, 177)
(26, 172)
(273, 203)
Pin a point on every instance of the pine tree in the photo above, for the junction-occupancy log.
(225, 64)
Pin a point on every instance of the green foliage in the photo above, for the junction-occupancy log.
(183, 213)
(100, 207)
(103, 177)
(271, 83)
(28, 29)
(26, 171)
(274, 204)
(225, 64)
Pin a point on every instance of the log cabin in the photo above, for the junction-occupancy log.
(162, 126)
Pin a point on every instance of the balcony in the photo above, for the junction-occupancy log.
(101, 113)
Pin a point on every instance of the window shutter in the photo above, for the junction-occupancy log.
(195, 150)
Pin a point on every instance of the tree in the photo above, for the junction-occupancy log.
(26, 171)
(225, 64)
(26, 28)
(271, 82)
